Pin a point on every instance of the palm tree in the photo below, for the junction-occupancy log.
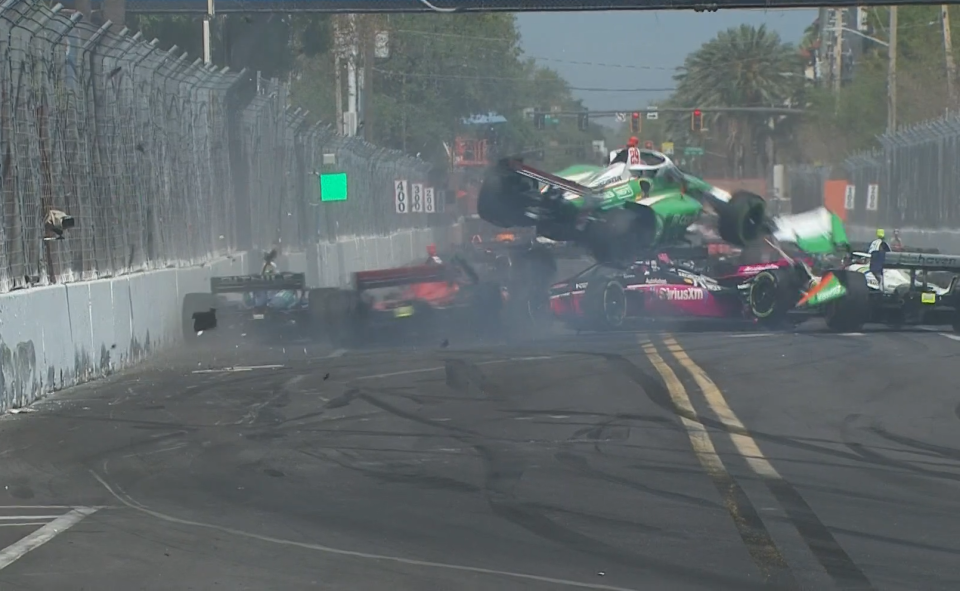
(743, 66)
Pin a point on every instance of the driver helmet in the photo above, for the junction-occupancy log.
(880, 233)
(633, 142)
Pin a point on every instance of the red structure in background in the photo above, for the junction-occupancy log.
(472, 151)
(469, 152)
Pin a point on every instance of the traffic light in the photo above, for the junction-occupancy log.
(635, 123)
(583, 120)
(696, 120)
(539, 120)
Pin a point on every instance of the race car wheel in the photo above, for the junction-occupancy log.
(742, 218)
(198, 314)
(772, 295)
(605, 304)
(504, 196)
(852, 311)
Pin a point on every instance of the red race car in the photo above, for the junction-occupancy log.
(600, 298)
(431, 298)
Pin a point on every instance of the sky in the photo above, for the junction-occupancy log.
(635, 50)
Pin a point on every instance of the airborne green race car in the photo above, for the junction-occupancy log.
(618, 212)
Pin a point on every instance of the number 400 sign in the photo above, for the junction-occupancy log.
(419, 199)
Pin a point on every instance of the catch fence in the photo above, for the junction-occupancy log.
(161, 160)
(911, 181)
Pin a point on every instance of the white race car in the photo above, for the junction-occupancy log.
(892, 278)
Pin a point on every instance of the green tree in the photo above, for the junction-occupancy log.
(268, 43)
(443, 69)
(743, 66)
(852, 119)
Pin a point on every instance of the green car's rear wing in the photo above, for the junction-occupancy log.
(922, 261)
(248, 283)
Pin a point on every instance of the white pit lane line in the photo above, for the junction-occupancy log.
(62, 523)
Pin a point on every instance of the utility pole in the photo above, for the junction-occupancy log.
(838, 51)
(948, 54)
(892, 73)
(207, 20)
(369, 54)
(337, 76)
(352, 77)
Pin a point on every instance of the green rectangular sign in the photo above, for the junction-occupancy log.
(333, 186)
(693, 151)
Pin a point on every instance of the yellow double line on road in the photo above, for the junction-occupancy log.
(760, 544)
(763, 550)
(744, 443)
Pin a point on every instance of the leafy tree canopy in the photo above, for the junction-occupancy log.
(441, 69)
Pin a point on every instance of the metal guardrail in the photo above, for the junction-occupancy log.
(161, 160)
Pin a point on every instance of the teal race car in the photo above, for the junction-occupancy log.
(621, 211)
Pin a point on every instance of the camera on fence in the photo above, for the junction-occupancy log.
(56, 222)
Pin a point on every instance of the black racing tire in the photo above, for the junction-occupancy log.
(852, 311)
(605, 304)
(197, 303)
(772, 295)
(742, 219)
(504, 196)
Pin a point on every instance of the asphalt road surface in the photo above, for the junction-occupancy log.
(681, 460)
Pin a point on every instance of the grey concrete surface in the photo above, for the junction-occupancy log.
(55, 336)
(551, 464)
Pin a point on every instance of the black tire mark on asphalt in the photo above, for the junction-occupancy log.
(828, 552)
(930, 448)
(878, 458)
(502, 474)
(581, 464)
(767, 557)
(575, 461)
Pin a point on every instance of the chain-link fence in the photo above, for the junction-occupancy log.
(162, 161)
(911, 181)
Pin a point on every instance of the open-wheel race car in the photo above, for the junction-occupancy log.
(430, 299)
(640, 203)
(852, 296)
(678, 285)
(247, 302)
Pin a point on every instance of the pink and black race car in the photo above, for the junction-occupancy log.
(601, 298)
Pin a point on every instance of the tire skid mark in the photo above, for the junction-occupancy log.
(503, 471)
(827, 550)
(760, 545)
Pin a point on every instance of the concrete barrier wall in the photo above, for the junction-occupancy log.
(330, 264)
(57, 336)
(948, 241)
